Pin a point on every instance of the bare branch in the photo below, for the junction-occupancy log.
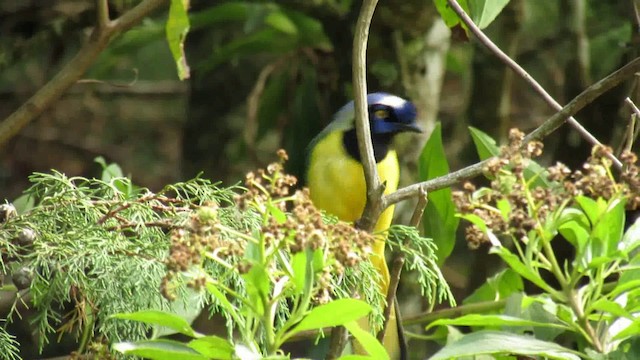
(74, 69)
(102, 14)
(398, 264)
(365, 147)
(550, 125)
(524, 75)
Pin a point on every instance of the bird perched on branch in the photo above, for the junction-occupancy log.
(335, 176)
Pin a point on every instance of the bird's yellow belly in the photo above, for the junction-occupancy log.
(336, 181)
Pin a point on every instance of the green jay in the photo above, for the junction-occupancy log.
(335, 177)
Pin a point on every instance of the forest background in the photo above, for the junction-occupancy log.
(269, 75)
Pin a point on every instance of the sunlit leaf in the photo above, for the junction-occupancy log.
(160, 318)
(176, 29)
(496, 343)
(483, 12)
(159, 349)
(368, 342)
(334, 313)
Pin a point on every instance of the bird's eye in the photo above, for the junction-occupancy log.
(381, 114)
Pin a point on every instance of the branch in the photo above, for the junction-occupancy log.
(102, 34)
(365, 147)
(375, 189)
(524, 75)
(398, 264)
(451, 313)
(550, 125)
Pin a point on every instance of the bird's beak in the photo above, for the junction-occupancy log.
(410, 127)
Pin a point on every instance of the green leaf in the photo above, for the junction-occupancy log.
(257, 285)
(176, 29)
(223, 301)
(499, 286)
(439, 220)
(631, 238)
(485, 145)
(277, 214)
(213, 347)
(611, 307)
(632, 329)
(334, 313)
(483, 12)
(518, 266)
(160, 318)
(159, 349)
(371, 345)
(449, 16)
(301, 264)
(574, 226)
(493, 321)
(280, 21)
(497, 342)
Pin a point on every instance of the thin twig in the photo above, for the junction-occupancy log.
(100, 37)
(550, 125)
(450, 313)
(630, 132)
(396, 269)
(484, 40)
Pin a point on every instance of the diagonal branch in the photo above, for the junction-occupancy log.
(524, 75)
(550, 125)
(102, 34)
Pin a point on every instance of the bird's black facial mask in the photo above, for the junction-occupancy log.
(385, 119)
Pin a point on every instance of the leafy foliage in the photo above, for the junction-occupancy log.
(520, 218)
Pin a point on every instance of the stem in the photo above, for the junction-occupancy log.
(526, 77)
(475, 308)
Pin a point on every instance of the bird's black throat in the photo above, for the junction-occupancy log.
(381, 143)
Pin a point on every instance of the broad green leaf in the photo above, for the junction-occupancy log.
(475, 220)
(277, 214)
(590, 208)
(213, 347)
(176, 29)
(334, 313)
(632, 329)
(439, 220)
(611, 307)
(526, 272)
(159, 349)
(497, 342)
(355, 357)
(483, 12)
(449, 16)
(500, 286)
(280, 21)
(574, 226)
(485, 145)
(492, 321)
(631, 238)
(608, 228)
(223, 301)
(369, 342)
(257, 285)
(160, 318)
(301, 264)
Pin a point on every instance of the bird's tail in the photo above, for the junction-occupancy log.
(393, 341)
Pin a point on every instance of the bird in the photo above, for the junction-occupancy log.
(335, 177)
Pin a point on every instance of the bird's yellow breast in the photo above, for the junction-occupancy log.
(336, 181)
